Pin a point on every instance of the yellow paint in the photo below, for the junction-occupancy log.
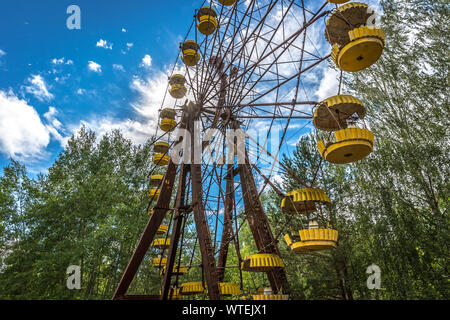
(191, 288)
(314, 240)
(190, 57)
(352, 144)
(168, 125)
(160, 159)
(161, 243)
(331, 114)
(261, 262)
(178, 91)
(230, 2)
(303, 200)
(270, 296)
(364, 49)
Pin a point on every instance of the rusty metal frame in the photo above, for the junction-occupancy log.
(176, 231)
(227, 223)
(159, 212)
(201, 224)
(258, 222)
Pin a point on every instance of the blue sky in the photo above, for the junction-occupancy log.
(110, 74)
(113, 74)
(46, 65)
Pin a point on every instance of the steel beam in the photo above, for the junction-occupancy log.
(159, 212)
(259, 224)
(201, 224)
(227, 223)
(176, 231)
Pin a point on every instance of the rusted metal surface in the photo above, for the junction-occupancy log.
(269, 104)
(176, 230)
(222, 109)
(227, 223)
(159, 212)
(201, 224)
(283, 46)
(258, 222)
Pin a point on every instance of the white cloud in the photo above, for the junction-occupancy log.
(128, 48)
(50, 115)
(2, 53)
(119, 67)
(137, 132)
(22, 133)
(93, 66)
(81, 91)
(151, 91)
(147, 61)
(63, 78)
(104, 44)
(58, 61)
(329, 84)
(38, 88)
(61, 61)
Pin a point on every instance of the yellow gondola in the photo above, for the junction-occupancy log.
(160, 159)
(356, 45)
(161, 147)
(168, 122)
(162, 229)
(191, 288)
(191, 56)
(153, 193)
(177, 89)
(228, 2)
(207, 22)
(177, 79)
(225, 288)
(159, 262)
(313, 240)
(344, 19)
(262, 262)
(229, 289)
(332, 113)
(168, 125)
(168, 113)
(270, 296)
(156, 179)
(161, 243)
(365, 48)
(303, 200)
(352, 144)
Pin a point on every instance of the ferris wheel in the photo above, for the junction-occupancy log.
(245, 65)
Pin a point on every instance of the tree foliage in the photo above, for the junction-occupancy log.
(391, 209)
